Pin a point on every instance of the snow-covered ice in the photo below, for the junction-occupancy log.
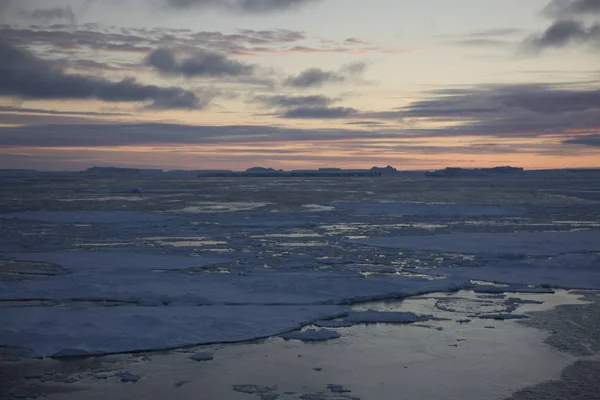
(288, 262)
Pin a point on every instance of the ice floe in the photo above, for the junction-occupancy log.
(77, 330)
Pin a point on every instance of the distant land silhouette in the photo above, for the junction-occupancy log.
(450, 172)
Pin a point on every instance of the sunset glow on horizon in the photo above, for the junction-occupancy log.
(299, 84)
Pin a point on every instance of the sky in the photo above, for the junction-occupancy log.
(296, 84)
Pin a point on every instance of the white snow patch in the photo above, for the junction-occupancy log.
(212, 207)
(317, 208)
(311, 335)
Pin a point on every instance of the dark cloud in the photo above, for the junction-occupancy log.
(24, 110)
(587, 140)
(199, 64)
(562, 33)
(98, 135)
(562, 8)
(66, 38)
(242, 6)
(570, 26)
(282, 101)
(320, 113)
(316, 77)
(504, 110)
(26, 76)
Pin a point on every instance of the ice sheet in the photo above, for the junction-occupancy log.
(521, 243)
(95, 278)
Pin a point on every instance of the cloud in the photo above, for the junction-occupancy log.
(320, 112)
(241, 6)
(483, 42)
(570, 26)
(562, 8)
(316, 77)
(588, 140)
(562, 33)
(101, 135)
(503, 110)
(199, 64)
(50, 14)
(282, 101)
(25, 76)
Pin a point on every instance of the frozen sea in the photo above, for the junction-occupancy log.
(174, 286)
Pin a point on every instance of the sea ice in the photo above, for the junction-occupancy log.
(139, 278)
(77, 330)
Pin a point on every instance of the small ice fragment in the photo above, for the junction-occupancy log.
(202, 357)
(338, 389)
(253, 389)
(311, 335)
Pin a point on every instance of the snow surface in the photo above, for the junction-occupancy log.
(521, 243)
